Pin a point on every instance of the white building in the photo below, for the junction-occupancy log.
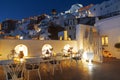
(109, 30)
(85, 11)
(110, 7)
(70, 23)
(88, 40)
(74, 8)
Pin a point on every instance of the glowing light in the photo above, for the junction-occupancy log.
(21, 37)
(85, 55)
(21, 60)
(46, 50)
(66, 47)
(90, 62)
(21, 47)
(104, 40)
(73, 55)
(90, 56)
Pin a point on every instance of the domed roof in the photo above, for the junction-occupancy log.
(75, 7)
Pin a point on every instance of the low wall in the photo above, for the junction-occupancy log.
(34, 46)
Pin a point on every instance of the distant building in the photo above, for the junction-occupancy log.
(74, 8)
(85, 11)
(70, 22)
(9, 25)
(109, 30)
(106, 8)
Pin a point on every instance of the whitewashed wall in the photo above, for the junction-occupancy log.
(111, 27)
(34, 46)
(105, 7)
(85, 45)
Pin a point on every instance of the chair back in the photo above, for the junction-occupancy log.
(32, 63)
(13, 71)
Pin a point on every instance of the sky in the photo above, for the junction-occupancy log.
(18, 9)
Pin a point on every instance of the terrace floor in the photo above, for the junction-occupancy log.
(108, 70)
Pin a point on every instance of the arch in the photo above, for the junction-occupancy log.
(21, 47)
(68, 48)
(45, 48)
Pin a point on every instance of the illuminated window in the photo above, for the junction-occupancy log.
(105, 40)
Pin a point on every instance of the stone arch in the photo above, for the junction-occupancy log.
(21, 47)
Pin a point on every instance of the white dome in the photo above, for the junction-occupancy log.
(75, 7)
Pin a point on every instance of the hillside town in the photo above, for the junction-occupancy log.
(81, 43)
(52, 27)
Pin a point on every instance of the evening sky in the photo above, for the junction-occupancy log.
(18, 9)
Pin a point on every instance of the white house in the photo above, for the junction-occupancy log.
(105, 8)
(109, 29)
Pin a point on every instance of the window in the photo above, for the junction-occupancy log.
(70, 22)
(104, 40)
(101, 8)
(107, 5)
(70, 28)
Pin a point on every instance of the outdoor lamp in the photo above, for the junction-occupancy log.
(90, 56)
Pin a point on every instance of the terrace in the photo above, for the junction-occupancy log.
(68, 68)
(108, 70)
